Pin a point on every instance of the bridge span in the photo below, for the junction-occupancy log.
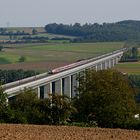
(63, 82)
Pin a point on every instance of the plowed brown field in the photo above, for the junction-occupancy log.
(36, 132)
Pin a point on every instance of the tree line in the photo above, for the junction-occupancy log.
(135, 81)
(131, 55)
(7, 76)
(106, 99)
(5, 32)
(119, 31)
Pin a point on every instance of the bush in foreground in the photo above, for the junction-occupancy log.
(105, 97)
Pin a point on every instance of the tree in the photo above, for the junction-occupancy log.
(21, 109)
(6, 113)
(1, 47)
(22, 59)
(132, 54)
(135, 80)
(135, 52)
(3, 98)
(22, 106)
(119, 31)
(61, 108)
(105, 97)
(29, 109)
(41, 113)
(34, 31)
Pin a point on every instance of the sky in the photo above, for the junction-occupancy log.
(33, 13)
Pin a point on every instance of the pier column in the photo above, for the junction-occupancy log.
(74, 84)
(96, 67)
(51, 90)
(113, 62)
(46, 90)
(70, 84)
(67, 86)
(106, 66)
(38, 92)
(109, 63)
(58, 87)
(61, 87)
(117, 60)
(101, 66)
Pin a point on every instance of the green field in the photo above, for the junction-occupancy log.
(68, 52)
(130, 68)
(53, 53)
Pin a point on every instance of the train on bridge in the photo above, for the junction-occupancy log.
(82, 62)
(59, 70)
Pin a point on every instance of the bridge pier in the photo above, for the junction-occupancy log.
(100, 66)
(38, 92)
(58, 87)
(109, 63)
(46, 90)
(74, 85)
(43, 91)
(96, 67)
(106, 66)
(64, 86)
(67, 86)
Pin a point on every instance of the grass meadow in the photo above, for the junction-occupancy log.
(55, 53)
(129, 67)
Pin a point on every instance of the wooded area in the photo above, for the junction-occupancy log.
(119, 31)
(7, 76)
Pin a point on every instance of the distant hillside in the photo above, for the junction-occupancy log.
(119, 31)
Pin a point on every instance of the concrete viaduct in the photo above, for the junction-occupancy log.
(64, 82)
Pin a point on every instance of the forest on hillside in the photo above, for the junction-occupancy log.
(119, 31)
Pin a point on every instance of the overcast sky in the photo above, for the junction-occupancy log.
(41, 12)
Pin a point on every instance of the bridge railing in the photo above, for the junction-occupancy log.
(25, 80)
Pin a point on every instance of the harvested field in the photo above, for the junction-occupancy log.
(38, 66)
(36, 132)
